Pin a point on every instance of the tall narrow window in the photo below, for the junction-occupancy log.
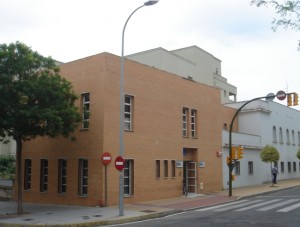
(294, 166)
(166, 169)
(237, 168)
(274, 134)
(282, 167)
(280, 135)
(83, 177)
(128, 112)
(250, 168)
(287, 136)
(62, 175)
(193, 123)
(85, 110)
(27, 174)
(173, 168)
(157, 169)
(293, 137)
(44, 175)
(289, 167)
(129, 177)
(185, 122)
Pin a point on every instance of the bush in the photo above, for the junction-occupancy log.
(7, 165)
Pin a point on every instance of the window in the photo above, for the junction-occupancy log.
(166, 168)
(237, 168)
(173, 168)
(289, 167)
(293, 137)
(274, 134)
(294, 167)
(129, 177)
(27, 174)
(185, 122)
(62, 175)
(157, 168)
(250, 168)
(128, 112)
(193, 123)
(85, 110)
(44, 175)
(82, 177)
(282, 167)
(287, 136)
(280, 135)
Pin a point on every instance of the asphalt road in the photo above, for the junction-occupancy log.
(276, 209)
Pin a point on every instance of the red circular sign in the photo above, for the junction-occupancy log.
(119, 163)
(106, 158)
(280, 95)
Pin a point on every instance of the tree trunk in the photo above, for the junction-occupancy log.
(19, 176)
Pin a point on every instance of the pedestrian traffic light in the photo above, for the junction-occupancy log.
(295, 101)
(289, 100)
(233, 177)
(240, 152)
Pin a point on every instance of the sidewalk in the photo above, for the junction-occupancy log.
(54, 215)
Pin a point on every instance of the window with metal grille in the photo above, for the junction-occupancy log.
(129, 177)
(128, 112)
(237, 168)
(185, 122)
(282, 167)
(294, 166)
(289, 167)
(82, 177)
(193, 123)
(85, 110)
(274, 134)
(44, 175)
(27, 174)
(250, 168)
(62, 175)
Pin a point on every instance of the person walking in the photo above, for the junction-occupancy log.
(275, 173)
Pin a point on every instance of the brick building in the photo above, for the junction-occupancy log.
(173, 129)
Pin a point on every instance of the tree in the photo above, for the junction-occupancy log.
(7, 165)
(298, 154)
(269, 154)
(288, 13)
(35, 100)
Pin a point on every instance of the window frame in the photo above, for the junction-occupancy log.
(157, 169)
(85, 108)
(193, 123)
(250, 168)
(83, 167)
(237, 168)
(166, 169)
(27, 174)
(44, 171)
(128, 112)
(129, 177)
(62, 176)
(173, 168)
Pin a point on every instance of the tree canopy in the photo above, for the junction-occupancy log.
(35, 100)
(288, 13)
(269, 154)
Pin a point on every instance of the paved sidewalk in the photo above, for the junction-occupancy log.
(54, 215)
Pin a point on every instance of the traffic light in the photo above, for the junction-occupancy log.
(240, 152)
(228, 160)
(289, 100)
(233, 177)
(233, 152)
(295, 101)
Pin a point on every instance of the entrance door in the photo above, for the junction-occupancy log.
(191, 176)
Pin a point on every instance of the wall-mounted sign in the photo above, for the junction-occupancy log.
(201, 164)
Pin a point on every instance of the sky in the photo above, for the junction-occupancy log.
(255, 59)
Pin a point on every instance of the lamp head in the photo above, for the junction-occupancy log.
(151, 2)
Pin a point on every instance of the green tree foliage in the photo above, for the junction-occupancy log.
(35, 100)
(298, 154)
(269, 154)
(7, 165)
(288, 13)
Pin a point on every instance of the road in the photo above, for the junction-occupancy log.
(276, 209)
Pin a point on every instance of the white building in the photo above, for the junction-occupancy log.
(263, 123)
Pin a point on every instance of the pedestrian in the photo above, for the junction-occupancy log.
(275, 173)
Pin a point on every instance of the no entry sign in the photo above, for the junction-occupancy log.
(119, 163)
(106, 158)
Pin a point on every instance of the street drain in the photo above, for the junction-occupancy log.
(148, 211)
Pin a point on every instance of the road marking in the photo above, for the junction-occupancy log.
(258, 205)
(287, 209)
(222, 205)
(238, 205)
(277, 205)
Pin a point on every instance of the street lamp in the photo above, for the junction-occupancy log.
(122, 96)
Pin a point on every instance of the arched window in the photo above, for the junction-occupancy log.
(274, 134)
(287, 136)
(280, 135)
(293, 137)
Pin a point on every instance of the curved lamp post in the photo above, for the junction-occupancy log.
(122, 96)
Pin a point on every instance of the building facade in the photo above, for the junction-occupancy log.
(264, 123)
(173, 133)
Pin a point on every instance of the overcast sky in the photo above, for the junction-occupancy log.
(255, 59)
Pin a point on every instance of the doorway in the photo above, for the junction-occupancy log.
(190, 176)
